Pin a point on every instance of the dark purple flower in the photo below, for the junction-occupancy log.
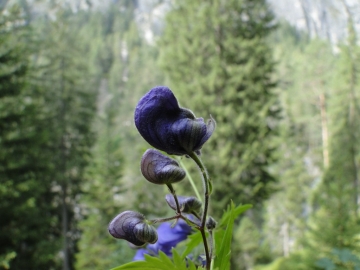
(187, 204)
(169, 237)
(160, 169)
(132, 226)
(168, 127)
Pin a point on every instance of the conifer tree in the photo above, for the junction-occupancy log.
(329, 209)
(216, 57)
(301, 155)
(335, 221)
(104, 185)
(122, 60)
(27, 238)
(70, 95)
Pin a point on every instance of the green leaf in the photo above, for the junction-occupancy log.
(162, 262)
(178, 261)
(222, 258)
(193, 241)
(163, 258)
(139, 265)
(237, 212)
(191, 265)
(345, 255)
(326, 263)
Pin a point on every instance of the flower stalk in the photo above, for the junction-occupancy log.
(206, 181)
(172, 191)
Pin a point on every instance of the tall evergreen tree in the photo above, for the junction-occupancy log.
(329, 237)
(27, 238)
(304, 129)
(216, 57)
(71, 102)
(124, 63)
(335, 222)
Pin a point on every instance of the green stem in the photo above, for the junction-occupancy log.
(207, 254)
(190, 180)
(206, 181)
(172, 190)
(211, 240)
(188, 221)
(196, 215)
(159, 220)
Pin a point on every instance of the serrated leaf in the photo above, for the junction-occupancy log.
(138, 265)
(193, 241)
(150, 263)
(191, 265)
(222, 257)
(178, 261)
(162, 262)
(237, 212)
(218, 236)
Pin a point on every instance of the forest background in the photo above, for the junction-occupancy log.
(286, 102)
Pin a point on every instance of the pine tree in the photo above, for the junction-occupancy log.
(27, 238)
(329, 209)
(124, 64)
(335, 222)
(70, 95)
(301, 155)
(104, 184)
(216, 57)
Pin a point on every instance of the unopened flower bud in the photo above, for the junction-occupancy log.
(160, 169)
(210, 223)
(145, 233)
(187, 204)
(132, 227)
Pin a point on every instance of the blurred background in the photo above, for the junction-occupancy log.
(281, 78)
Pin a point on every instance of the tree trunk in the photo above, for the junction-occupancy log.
(65, 225)
(353, 107)
(324, 130)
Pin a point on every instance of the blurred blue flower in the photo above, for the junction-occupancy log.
(168, 237)
(168, 127)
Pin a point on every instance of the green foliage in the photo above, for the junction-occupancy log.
(27, 238)
(5, 259)
(218, 60)
(159, 263)
(316, 208)
(123, 65)
(223, 254)
(223, 234)
(223, 67)
(342, 259)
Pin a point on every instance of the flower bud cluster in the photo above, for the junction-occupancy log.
(175, 130)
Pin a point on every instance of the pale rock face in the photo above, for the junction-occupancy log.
(324, 19)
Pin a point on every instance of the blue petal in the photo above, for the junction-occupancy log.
(167, 127)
